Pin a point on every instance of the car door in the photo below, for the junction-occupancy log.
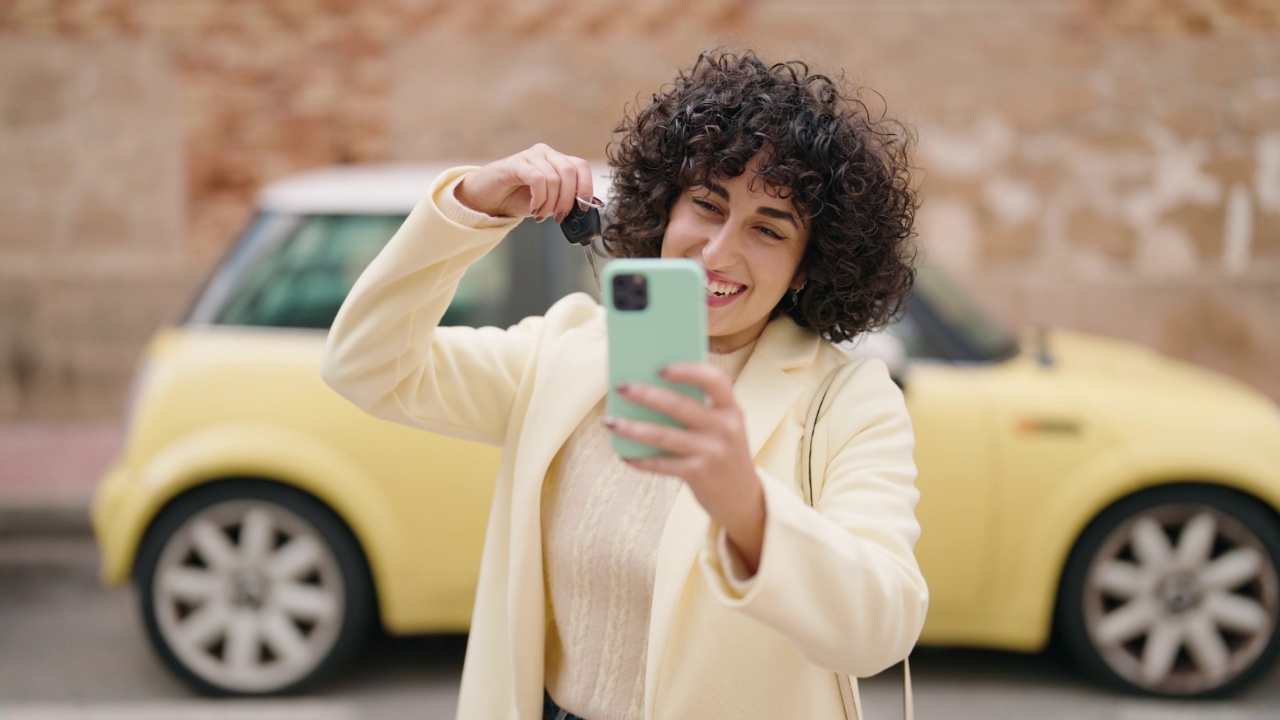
(952, 415)
(956, 358)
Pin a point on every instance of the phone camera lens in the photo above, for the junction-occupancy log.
(630, 292)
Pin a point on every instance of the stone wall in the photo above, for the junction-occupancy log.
(92, 256)
(1111, 166)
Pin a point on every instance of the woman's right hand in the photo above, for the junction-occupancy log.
(539, 181)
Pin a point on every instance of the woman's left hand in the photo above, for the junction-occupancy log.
(710, 453)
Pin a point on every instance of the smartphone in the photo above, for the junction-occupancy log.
(656, 314)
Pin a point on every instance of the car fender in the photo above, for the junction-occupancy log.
(1148, 462)
(268, 452)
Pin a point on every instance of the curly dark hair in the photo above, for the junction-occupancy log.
(846, 172)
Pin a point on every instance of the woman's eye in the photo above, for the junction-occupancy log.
(705, 205)
(772, 233)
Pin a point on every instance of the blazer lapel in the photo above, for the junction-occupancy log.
(767, 394)
(766, 390)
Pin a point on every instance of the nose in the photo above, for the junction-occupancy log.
(720, 249)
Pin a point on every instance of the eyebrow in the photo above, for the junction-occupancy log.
(763, 210)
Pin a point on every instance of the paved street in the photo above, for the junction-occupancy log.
(70, 650)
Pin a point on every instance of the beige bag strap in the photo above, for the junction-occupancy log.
(848, 685)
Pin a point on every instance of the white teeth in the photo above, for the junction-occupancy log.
(723, 289)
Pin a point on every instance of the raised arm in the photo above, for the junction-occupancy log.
(385, 351)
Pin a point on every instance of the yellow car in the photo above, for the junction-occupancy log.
(1072, 487)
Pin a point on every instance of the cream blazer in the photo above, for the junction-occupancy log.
(837, 588)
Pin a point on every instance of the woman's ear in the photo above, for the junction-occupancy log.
(797, 281)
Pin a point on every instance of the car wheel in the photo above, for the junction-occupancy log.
(252, 588)
(1175, 592)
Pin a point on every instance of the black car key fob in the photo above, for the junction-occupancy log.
(582, 227)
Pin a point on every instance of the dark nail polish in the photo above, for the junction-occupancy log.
(610, 421)
(622, 387)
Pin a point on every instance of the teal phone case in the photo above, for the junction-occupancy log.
(673, 327)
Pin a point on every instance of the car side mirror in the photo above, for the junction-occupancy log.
(885, 346)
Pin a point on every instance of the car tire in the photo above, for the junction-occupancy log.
(1175, 592)
(253, 588)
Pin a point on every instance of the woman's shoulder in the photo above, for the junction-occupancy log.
(573, 311)
(802, 351)
(860, 375)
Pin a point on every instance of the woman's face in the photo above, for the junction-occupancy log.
(749, 242)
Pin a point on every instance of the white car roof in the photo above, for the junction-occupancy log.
(368, 189)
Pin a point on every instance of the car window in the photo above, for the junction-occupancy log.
(917, 343)
(299, 280)
(945, 323)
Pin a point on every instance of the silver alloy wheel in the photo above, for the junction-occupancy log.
(1181, 599)
(248, 596)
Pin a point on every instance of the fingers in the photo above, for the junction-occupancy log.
(674, 441)
(539, 181)
(679, 407)
(544, 185)
(712, 381)
(707, 431)
(661, 465)
(555, 180)
(586, 180)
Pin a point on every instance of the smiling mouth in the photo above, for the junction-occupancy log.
(723, 289)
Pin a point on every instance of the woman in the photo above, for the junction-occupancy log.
(608, 589)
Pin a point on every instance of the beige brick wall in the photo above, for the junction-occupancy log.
(92, 256)
(1105, 165)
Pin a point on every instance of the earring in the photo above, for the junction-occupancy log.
(795, 295)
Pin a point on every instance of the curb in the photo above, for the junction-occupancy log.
(50, 473)
(45, 521)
